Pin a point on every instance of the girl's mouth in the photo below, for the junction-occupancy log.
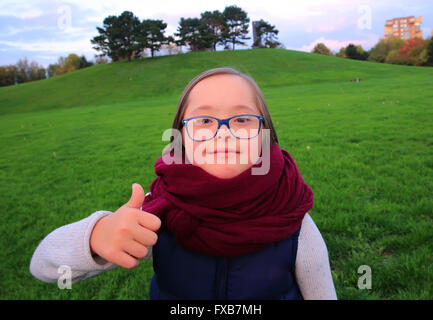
(225, 151)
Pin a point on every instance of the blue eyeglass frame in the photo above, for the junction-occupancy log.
(226, 122)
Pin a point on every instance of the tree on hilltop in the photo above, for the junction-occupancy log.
(125, 37)
(214, 27)
(237, 23)
(321, 48)
(266, 35)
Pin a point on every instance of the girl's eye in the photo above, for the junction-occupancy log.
(242, 120)
(206, 121)
(203, 121)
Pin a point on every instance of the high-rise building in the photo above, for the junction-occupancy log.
(403, 28)
(256, 39)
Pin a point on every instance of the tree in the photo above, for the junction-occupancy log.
(429, 53)
(410, 44)
(266, 35)
(84, 63)
(22, 70)
(189, 33)
(100, 59)
(29, 72)
(417, 56)
(118, 37)
(58, 68)
(356, 52)
(152, 35)
(51, 70)
(395, 57)
(352, 52)
(72, 63)
(341, 53)
(362, 54)
(199, 34)
(36, 71)
(69, 64)
(237, 23)
(8, 75)
(381, 50)
(322, 49)
(214, 26)
(398, 51)
(411, 51)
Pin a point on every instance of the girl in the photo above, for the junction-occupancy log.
(226, 217)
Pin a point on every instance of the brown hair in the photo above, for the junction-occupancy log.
(260, 100)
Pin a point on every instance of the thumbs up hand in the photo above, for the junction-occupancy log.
(123, 237)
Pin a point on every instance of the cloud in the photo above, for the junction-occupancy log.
(13, 31)
(327, 25)
(336, 45)
(51, 46)
(21, 12)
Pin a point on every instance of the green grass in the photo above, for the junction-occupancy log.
(74, 144)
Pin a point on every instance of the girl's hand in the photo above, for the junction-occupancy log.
(123, 236)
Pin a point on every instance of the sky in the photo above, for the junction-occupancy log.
(42, 30)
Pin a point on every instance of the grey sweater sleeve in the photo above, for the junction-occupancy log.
(312, 269)
(69, 246)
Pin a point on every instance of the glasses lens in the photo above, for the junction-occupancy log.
(202, 128)
(245, 126)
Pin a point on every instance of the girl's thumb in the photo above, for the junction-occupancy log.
(137, 197)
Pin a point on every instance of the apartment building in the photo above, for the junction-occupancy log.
(403, 28)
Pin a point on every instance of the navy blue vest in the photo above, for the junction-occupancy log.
(266, 274)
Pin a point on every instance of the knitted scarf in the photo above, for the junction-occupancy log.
(229, 217)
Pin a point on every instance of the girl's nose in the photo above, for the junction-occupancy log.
(223, 131)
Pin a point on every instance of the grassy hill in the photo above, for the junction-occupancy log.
(168, 75)
(74, 144)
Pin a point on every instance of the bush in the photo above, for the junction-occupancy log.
(429, 53)
(382, 49)
(322, 49)
(394, 57)
(356, 52)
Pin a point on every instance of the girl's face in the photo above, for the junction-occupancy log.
(222, 96)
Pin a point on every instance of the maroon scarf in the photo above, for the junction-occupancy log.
(229, 217)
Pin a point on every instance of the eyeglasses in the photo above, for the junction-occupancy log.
(243, 126)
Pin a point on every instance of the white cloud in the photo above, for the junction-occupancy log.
(21, 9)
(48, 57)
(13, 31)
(336, 45)
(51, 47)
